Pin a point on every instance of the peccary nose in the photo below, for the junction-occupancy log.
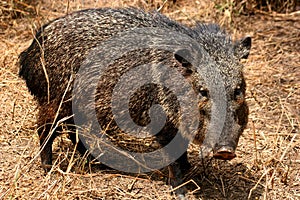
(224, 153)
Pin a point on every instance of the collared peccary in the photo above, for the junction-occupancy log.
(60, 48)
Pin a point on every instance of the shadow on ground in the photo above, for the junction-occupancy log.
(212, 179)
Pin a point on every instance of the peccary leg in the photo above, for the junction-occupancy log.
(74, 137)
(46, 146)
(46, 118)
(79, 145)
(176, 172)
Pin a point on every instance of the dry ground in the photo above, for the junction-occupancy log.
(268, 162)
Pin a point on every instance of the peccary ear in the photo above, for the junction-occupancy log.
(242, 48)
(183, 56)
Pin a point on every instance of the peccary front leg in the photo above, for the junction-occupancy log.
(176, 172)
(76, 141)
(79, 145)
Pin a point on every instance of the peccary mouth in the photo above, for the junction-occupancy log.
(224, 153)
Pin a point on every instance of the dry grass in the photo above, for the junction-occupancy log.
(268, 162)
(282, 6)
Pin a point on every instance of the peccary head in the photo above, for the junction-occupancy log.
(222, 105)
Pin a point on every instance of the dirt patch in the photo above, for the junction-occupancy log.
(268, 162)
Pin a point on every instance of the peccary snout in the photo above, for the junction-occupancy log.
(225, 153)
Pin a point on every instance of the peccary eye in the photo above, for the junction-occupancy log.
(203, 92)
(237, 92)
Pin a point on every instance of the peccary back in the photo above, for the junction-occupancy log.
(62, 47)
(84, 29)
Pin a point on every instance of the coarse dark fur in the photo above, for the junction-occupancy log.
(61, 46)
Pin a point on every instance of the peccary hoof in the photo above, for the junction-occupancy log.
(180, 197)
(46, 167)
